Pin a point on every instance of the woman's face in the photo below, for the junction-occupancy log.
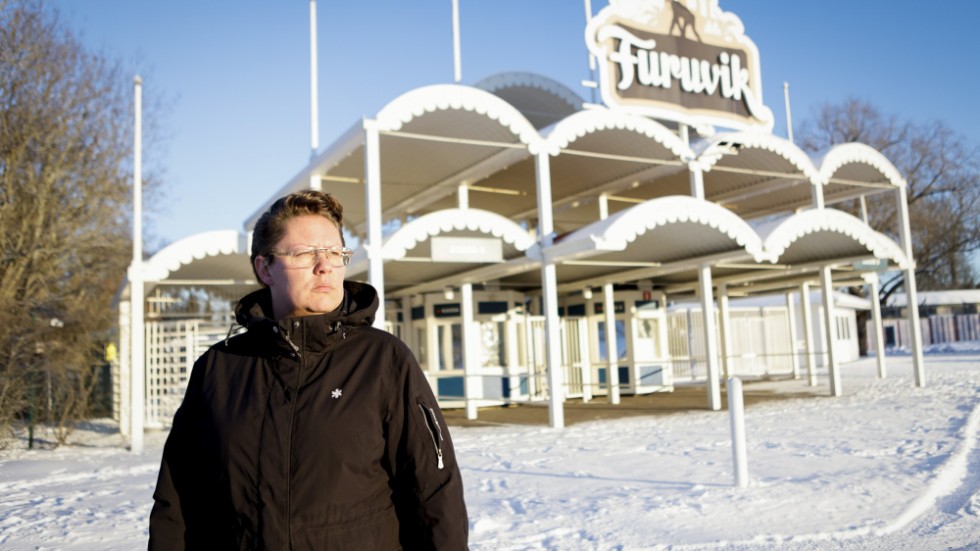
(304, 291)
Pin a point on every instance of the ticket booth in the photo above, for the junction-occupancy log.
(499, 370)
(643, 359)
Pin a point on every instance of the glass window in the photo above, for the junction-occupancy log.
(646, 341)
(492, 350)
(450, 347)
(620, 340)
(421, 342)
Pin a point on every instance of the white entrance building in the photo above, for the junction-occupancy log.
(526, 245)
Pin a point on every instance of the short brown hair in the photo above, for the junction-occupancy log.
(271, 226)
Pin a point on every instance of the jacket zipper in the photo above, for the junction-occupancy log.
(435, 431)
(289, 442)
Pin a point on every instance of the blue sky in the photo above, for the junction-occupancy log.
(236, 74)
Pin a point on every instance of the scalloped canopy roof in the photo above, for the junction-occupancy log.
(491, 139)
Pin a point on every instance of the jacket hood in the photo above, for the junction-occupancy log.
(358, 308)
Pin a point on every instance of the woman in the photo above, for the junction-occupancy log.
(312, 430)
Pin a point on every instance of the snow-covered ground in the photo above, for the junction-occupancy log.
(886, 466)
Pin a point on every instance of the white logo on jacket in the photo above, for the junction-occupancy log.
(336, 393)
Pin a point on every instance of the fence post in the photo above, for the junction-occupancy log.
(736, 410)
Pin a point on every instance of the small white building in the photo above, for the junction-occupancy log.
(945, 317)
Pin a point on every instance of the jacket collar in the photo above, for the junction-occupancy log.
(254, 312)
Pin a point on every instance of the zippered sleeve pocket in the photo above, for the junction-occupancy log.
(435, 430)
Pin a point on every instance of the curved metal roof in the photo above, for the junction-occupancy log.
(542, 100)
(828, 234)
(634, 170)
(407, 253)
(215, 260)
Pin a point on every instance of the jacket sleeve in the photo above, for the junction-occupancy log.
(172, 495)
(428, 487)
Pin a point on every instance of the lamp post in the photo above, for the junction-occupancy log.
(39, 352)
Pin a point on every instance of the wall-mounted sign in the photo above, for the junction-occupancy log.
(467, 249)
(679, 60)
(446, 310)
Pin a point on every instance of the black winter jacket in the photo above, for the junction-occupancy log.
(316, 432)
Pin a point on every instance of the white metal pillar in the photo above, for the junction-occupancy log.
(811, 362)
(585, 358)
(789, 113)
(736, 413)
(372, 170)
(513, 382)
(911, 294)
(137, 373)
(725, 330)
(125, 369)
(818, 202)
(314, 105)
(791, 314)
(136, 293)
(829, 324)
(408, 332)
(710, 337)
(915, 327)
(612, 346)
(872, 285)
(697, 181)
(549, 284)
(471, 381)
(664, 338)
(457, 58)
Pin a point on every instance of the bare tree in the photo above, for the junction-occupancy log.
(65, 194)
(942, 170)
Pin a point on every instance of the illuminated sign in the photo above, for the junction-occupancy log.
(684, 61)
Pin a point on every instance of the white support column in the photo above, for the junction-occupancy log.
(125, 369)
(872, 286)
(789, 113)
(136, 293)
(664, 337)
(372, 170)
(471, 380)
(911, 295)
(532, 385)
(829, 325)
(512, 376)
(791, 314)
(432, 346)
(316, 182)
(314, 109)
(697, 181)
(811, 362)
(736, 413)
(549, 284)
(612, 346)
(710, 337)
(585, 358)
(408, 332)
(457, 58)
(817, 195)
(725, 330)
(137, 372)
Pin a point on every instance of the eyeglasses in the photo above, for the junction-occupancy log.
(338, 257)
